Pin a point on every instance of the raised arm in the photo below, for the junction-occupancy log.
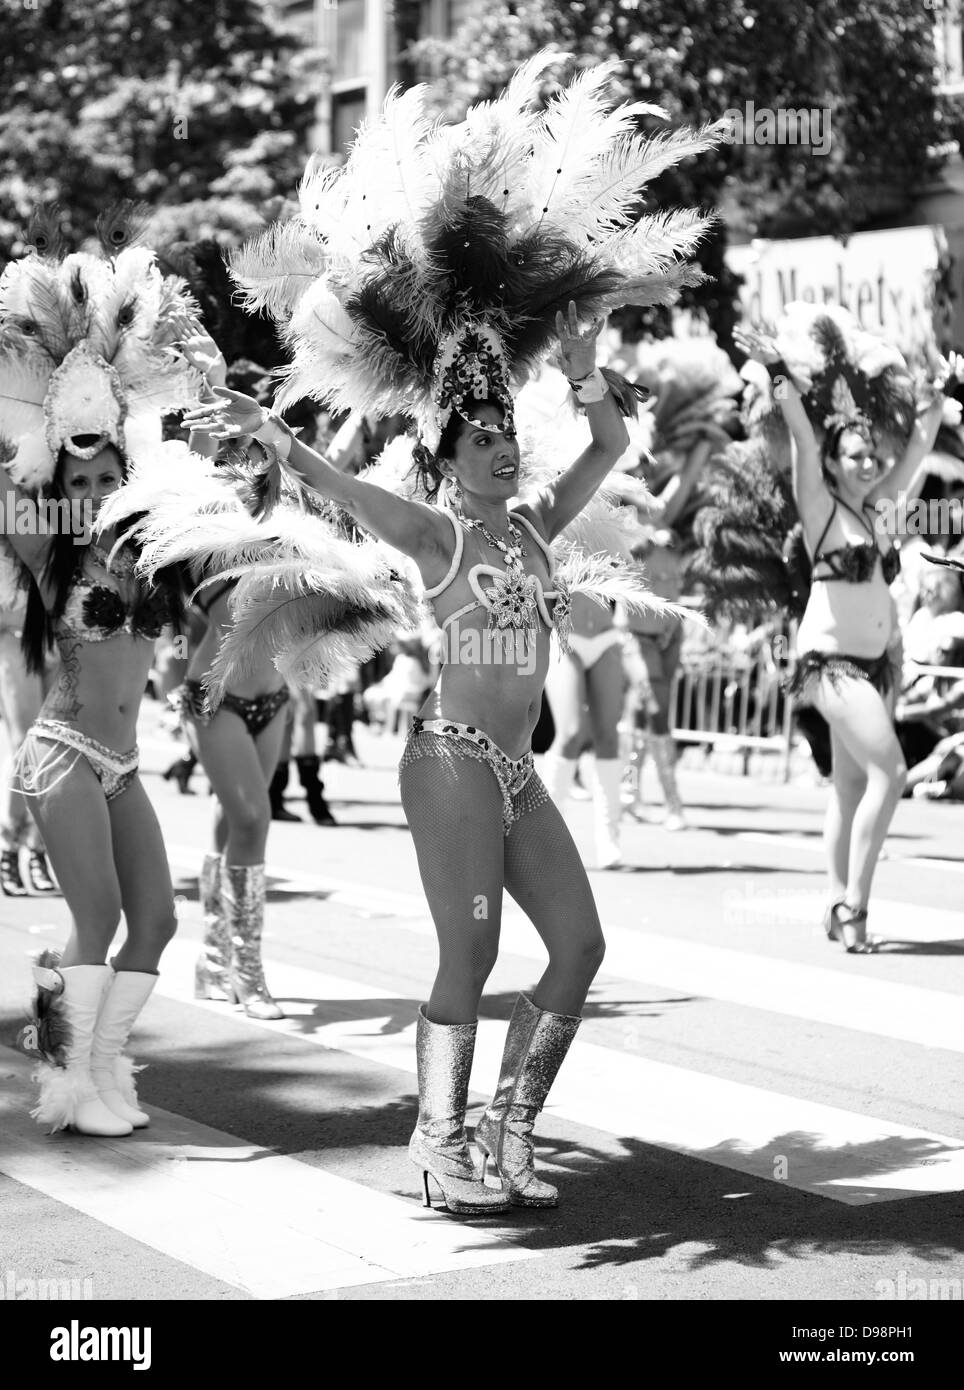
(671, 501)
(809, 489)
(21, 524)
(412, 527)
(556, 506)
(905, 477)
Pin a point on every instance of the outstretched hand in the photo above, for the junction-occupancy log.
(196, 344)
(226, 416)
(577, 350)
(759, 347)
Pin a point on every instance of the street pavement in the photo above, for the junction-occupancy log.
(748, 1113)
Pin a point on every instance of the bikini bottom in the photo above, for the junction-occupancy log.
(590, 649)
(190, 700)
(813, 667)
(522, 789)
(45, 760)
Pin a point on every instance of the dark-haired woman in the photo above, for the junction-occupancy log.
(238, 745)
(847, 636)
(21, 695)
(481, 819)
(77, 768)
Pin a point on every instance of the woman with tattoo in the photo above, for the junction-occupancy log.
(87, 365)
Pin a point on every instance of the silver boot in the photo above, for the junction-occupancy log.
(535, 1048)
(243, 894)
(212, 972)
(439, 1145)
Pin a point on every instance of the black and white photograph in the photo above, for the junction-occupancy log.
(482, 670)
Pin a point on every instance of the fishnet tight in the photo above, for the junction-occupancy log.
(453, 803)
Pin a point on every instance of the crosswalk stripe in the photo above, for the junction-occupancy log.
(908, 1013)
(260, 1221)
(828, 1151)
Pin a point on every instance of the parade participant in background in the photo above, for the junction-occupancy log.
(86, 368)
(450, 273)
(21, 695)
(693, 416)
(858, 440)
(300, 744)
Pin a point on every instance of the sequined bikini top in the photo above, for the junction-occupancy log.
(854, 563)
(95, 611)
(514, 599)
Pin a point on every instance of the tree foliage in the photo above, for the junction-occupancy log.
(169, 101)
(868, 63)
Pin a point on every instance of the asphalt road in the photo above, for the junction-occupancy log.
(747, 1114)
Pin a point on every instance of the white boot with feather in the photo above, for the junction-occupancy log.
(113, 1073)
(68, 1096)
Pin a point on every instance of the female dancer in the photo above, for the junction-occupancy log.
(590, 674)
(443, 281)
(844, 665)
(78, 767)
(238, 746)
(86, 368)
(480, 817)
(21, 695)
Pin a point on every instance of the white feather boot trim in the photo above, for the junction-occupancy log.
(68, 1095)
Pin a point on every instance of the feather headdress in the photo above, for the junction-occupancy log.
(449, 250)
(846, 376)
(86, 349)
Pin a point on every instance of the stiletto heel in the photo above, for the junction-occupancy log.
(853, 932)
(535, 1047)
(830, 924)
(439, 1146)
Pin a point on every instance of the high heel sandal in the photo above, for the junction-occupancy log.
(10, 881)
(852, 932)
(830, 925)
(38, 873)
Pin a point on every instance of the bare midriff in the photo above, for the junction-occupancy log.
(856, 619)
(263, 680)
(590, 618)
(501, 691)
(99, 687)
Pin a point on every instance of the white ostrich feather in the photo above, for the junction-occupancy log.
(606, 581)
(658, 239)
(23, 386)
(275, 270)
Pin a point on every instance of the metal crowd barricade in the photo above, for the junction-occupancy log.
(734, 702)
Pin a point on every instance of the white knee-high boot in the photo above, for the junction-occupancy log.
(68, 1095)
(557, 774)
(608, 808)
(113, 1073)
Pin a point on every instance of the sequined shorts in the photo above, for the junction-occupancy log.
(813, 667)
(45, 760)
(190, 701)
(522, 790)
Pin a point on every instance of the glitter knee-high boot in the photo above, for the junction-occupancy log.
(535, 1048)
(439, 1145)
(213, 969)
(243, 894)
